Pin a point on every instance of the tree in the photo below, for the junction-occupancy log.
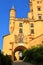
(8, 61)
(5, 60)
(34, 55)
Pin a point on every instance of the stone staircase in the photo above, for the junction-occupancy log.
(20, 63)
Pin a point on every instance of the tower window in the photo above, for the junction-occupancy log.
(20, 24)
(20, 31)
(30, 3)
(31, 10)
(39, 2)
(39, 16)
(32, 25)
(32, 31)
(42, 41)
(39, 8)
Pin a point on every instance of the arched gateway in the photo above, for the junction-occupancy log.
(17, 54)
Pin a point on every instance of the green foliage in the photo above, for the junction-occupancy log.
(34, 55)
(5, 60)
(25, 53)
(8, 61)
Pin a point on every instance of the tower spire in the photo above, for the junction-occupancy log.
(12, 6)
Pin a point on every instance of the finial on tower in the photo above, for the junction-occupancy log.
(12, 6)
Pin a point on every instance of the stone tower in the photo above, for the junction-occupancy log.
(12, 18)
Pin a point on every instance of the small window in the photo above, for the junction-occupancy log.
(20, 31)
(30, 3)
(32, 25)
(32, 31)
(42, 41)
(31, 10)
(40, 16)
(39, 8)
(20, 24)
(38, 2)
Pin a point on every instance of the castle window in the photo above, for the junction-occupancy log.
(42, 41)
(32, 31)
(20, 24)
(40, 16)
(39, 8)
(30, 3)
(31, 10)
(20, 31)
(39, 2)
(32, 25)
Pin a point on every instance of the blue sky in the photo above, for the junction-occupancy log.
(21, 7)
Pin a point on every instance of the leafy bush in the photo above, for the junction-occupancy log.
(5, 60)
(34, 55)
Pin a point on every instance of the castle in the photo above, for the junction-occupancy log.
(24, 32)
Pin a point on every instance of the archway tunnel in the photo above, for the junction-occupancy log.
(18, 51)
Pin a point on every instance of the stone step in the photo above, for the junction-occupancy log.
(20, 63)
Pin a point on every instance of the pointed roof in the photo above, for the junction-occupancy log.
(13, 8)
